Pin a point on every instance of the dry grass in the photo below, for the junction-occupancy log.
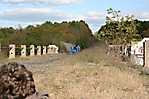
(92, 82)
(91, 75)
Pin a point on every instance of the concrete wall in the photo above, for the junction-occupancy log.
(138, 51)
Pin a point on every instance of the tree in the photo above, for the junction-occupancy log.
(49, 33)
(119, 29)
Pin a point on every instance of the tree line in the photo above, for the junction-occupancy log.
(76, 32)
(122, 29)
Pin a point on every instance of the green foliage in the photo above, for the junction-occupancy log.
(49, 33)
(5, 34)
(119, 29)
(143, 28)
(82, 42)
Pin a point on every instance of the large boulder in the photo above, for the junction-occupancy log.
(16, 82)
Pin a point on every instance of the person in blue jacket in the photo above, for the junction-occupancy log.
(75, 49)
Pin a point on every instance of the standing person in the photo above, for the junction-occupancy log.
(78, 48)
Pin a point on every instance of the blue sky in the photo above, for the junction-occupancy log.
(25, 12)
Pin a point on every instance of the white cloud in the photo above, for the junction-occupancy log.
(39, 15)
(22, 1)
(53, 2)
(142, 15)
(66, 1)
(95, 19)
(95, 16)
(31, 15)
(19, 11)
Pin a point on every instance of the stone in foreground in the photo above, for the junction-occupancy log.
(16, 82)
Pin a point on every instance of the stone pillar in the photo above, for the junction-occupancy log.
(56, 50)
(146, 54)
(32, 50)
(39, 50)
(44, 50)
(11, 51)
(125, 50)
(52, 49)
(49, 49)
(0, 47)
(23, 50)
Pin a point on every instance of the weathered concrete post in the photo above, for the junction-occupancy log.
(11, 51)
(49, 49)
(44, 50)
(32, 50)
(23, 50)
(146, 54)
(39, 50)
(52, 49)
(56, 50)
(0, 47)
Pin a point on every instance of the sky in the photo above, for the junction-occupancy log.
(31, 12)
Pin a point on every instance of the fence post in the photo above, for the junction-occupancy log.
(11, 51)
(52, 49)
(146, 54)
(39, 50)
(55, 49)
(49, 49)
(0, 47)
(44, 50)
(23, 50)
(32, 50)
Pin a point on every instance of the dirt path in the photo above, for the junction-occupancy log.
(90, 74)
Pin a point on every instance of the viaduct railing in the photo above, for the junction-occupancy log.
(137, 54)
(30, 50)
